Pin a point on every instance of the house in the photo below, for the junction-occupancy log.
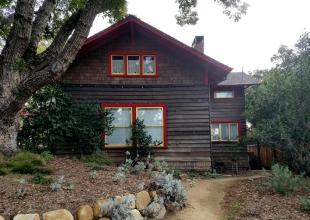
(181, 94)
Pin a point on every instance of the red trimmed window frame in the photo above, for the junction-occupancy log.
(141, 55)
(134, 107)
(238, 122)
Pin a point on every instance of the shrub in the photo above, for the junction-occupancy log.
(26, 162)
(139, 167)
(118, 211)
(171, 189)
(51, 117)
(160, 165)
(56, 186)
(47, 155)
(39, 178)
(305, 204)
(283, 181)
(96, 160)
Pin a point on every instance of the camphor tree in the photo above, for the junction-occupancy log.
(65, 25)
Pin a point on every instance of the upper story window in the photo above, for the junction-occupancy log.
(132, 64)
(224, 131)
(224, 94)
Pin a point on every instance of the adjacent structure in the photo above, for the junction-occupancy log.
(188, 101)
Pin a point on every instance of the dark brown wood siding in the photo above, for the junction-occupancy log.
(224, 154)
(188, 128)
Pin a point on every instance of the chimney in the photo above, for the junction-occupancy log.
(198, 43)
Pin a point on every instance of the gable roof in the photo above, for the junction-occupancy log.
(238, 78)
(115, 29)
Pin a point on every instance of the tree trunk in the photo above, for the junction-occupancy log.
(8, 137)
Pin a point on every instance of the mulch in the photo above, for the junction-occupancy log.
(78, 188)
(254, 200)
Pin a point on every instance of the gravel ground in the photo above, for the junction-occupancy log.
(79, 188)
(253, 200)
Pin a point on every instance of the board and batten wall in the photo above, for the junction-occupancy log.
(228, 154)
(179, 86)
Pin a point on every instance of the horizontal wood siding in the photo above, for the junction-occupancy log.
(188, 128)
(225, 154)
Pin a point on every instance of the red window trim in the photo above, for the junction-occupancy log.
(238, 122)
(132, 53)
(134, 107)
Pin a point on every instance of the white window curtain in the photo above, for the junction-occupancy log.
(148, 65)
(223, 94)
(224, 132)
(153, 120)
(122, 127)
(118, 65)
(133, 65)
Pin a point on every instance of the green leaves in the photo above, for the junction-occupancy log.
(279, 109)
(52, 117)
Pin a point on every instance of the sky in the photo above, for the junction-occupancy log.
(245, 45)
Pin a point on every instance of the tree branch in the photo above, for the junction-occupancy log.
(19, 36)
(39, 24)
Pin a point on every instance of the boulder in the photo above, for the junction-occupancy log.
(84, 212)
(60, 214)
(136, 215)
(183, 176)
(155, 210)
(102, 207)
(26, 217)
(118, 199)
(130, 199)
(153, 195)
(143, 199)
(104, 219)
(2, 218)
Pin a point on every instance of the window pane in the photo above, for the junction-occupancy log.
(215, 132)
(149, 65)
(233, 131)
(156, 133)
(224, 132)
(224, 94)
(118, 64)
(122, 117)
(151, 116)
(133, 65)
(119, 136)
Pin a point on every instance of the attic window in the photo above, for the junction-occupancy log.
(139, 64)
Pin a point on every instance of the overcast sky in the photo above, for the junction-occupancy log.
(247, 44)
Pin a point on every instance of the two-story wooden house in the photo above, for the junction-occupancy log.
(188, 101)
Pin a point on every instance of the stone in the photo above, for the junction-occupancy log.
(118, 199)
(60, 214)
(2, 218)
(104, 219)
(143, 199)
(27, 217)
(102, 207)
(85, 212)
(155, 210)
(136, 215)
(153, 195)
(130, 199)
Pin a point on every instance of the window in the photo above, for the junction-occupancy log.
(223, 94)
(125, 115)
(118, 67)
(224, 131)
(133, 65)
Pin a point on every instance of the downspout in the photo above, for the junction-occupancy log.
(211, 155)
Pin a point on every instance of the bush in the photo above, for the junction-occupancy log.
(305, 204)
(283, 181)
(96, 160)
(171, 189)
(56, 186)
(51, 117)
(39, 178)
(47, 155)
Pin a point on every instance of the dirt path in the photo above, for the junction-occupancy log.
(205, 198)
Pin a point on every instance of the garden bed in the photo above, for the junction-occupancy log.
(80, 187)
(252, 199)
